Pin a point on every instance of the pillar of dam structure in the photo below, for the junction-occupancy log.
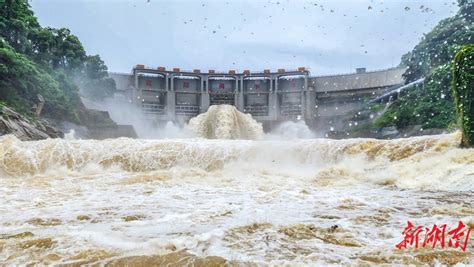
(310, 104)
(170, 100)
(310, 101)
(204, 94)
(240, 99)
(273, 100)
(303, 99)
(237, 94)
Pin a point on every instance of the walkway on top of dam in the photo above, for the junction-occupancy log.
(359, 80)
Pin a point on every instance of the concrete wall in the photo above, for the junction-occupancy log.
(153, 97)
(187, 84)
(256, 99)
(221, 86)
(290, 84)
(355, 81)
(148, 82)
(187, 99)
(254, 85)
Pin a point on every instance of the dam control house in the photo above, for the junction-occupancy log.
(269, 96)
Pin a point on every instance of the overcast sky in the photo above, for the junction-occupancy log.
(326, 36)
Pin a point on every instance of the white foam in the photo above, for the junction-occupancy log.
(191, 194)
(291, 130)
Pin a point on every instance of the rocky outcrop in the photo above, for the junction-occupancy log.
(24, 129)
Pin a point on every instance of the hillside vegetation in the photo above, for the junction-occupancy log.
(50, 62)
(463, 91)
(432, 105)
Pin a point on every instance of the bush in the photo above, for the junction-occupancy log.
(430, 105)
(21, 80)
(463, 91)
(47, 61)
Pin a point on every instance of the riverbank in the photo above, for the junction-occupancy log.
(26, 129)
(31, 129)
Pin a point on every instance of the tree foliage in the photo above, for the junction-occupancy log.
(21, 80)
(47, 61)
(432, 105)
(439, 46)
(463, 91)
(58, 48)
(16, 24)
(429, 105)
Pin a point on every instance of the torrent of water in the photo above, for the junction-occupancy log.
(225, 122)
(238, 202)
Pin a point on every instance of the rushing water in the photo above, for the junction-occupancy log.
(225, 122)
(244, 202)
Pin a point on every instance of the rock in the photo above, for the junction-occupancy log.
(14, 123)
(387, 132)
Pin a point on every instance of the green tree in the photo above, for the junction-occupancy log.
(439, 46)
(57, 48)
(16, 23)
(21, 80)
(47, 61)
(463, 90)
(431, 105)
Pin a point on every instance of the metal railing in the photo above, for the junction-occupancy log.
(220, 72)
(186, 109)
(290, 109)
(219, 99)
(256, 110)
(151, 108)
(222, 101)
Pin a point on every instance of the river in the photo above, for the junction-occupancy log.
(198, 201)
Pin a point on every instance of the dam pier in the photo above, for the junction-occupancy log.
(271, 97)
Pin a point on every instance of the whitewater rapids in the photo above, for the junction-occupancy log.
(237, 202)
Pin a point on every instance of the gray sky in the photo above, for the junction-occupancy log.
(327, 36)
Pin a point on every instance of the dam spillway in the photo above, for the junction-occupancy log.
(269, 96)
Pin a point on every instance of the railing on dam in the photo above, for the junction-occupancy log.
(186, 110)
(290, 109)
(151, 108)
(179, 71)
(256, 110)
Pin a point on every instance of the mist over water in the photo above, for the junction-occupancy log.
(292, 130)
(283, 198)
(146, 127)
(220, 122)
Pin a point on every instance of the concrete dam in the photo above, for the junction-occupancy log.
(271, 97)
